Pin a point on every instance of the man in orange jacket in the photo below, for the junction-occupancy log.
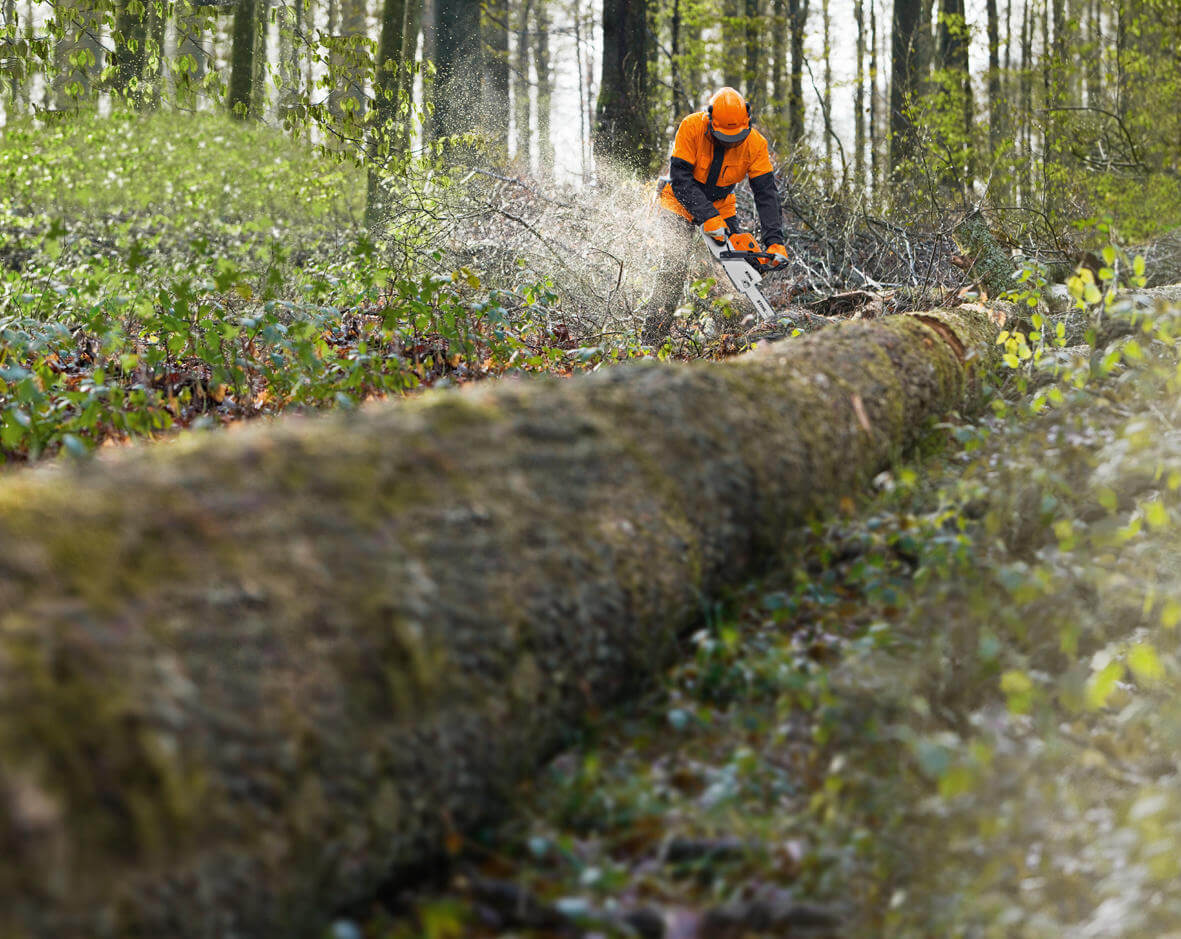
(714, 150)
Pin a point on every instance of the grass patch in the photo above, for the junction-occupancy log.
(177, 168)
(165, 271)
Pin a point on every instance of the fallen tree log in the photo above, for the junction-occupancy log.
(245, 677)
(989, 264)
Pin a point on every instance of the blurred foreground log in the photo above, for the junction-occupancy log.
(245, 678)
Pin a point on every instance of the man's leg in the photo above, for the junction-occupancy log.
(676, 243)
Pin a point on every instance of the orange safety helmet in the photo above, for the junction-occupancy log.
(729, 116)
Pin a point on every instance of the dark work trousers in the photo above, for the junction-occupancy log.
(678, 238)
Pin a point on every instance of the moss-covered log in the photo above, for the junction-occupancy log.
(244, 677)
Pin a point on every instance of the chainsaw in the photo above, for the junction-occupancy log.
(740, 259)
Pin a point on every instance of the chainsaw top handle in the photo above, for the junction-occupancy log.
(753, 257)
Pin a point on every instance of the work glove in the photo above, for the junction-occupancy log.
(715, 228)
(777, 261)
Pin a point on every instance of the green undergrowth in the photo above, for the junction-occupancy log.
(952, 711)
(179, 167)
(167, 270)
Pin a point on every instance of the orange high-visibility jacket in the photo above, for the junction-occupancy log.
(704, 174)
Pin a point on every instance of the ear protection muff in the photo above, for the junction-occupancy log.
(710, 111)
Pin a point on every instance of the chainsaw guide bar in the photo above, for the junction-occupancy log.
(742, 269)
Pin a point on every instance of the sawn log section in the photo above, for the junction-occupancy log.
(245, 677)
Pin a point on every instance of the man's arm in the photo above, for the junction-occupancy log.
(688, 191)
(680, 170)
(762, 184)
(767, 202)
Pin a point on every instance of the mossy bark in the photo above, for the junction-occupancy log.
(989, 264)
(245, 677)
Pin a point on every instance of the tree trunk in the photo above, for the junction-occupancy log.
(926, 57)
(388, 82)
(190, 36)
(77, 56)
(128, 58)
(541, 64)
(693, 58)
(874, 135)
(334, 84)
(457, 66)
(953, 56)
(242, 68)
(994, 76)
(290, 73)
(258, 101)
(411, 33)
(623, 131)
(11, 72)
(1027, 177)
(903, 75)
(859, 98)
(157, 49)
(826, 93)
(495, 79)
(987, 263)
(797, 15)
(755, 71)
(584, 111)
(679, 100)
(732, 36)
(521, 83)
(245, 679)
(778, 60)
(346, 98)
(1095, 51)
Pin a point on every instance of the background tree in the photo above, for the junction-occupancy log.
(521, 82)
(729, 52)
(129, 55)
(391, 86)
(457, 66)
(859, 97)
(494, 96)
(623, 126)
(903, 75)
(241, 93)
(797, 18)
(542, 65)
(754, 75)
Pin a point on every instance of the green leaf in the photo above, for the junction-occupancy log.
(1017, 687)
(1155, 514)
(74, 446)
(1145, 664)
(1170, 614)
(1102, 683)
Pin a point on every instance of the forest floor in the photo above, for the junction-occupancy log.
(952, 710)
(164, 272)
(948, 711)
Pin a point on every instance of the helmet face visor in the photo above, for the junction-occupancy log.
(733, 134)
